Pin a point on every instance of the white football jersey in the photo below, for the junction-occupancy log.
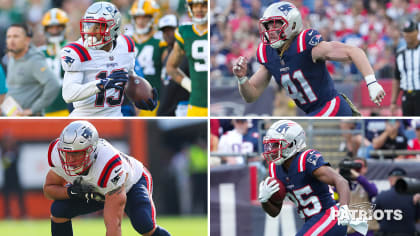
(110, 169)
(84, 68)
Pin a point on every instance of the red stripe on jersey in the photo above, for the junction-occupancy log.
(264, 53)
(81, 51)
(106, 172)
(302, 161)
(301, 44)
(149, 181)
(337, 106)
(130, 43)
(50, 148)
(272, 170)
(330, 108)
(253, 179)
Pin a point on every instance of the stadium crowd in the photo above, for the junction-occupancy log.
(371, 25)
(34, 13)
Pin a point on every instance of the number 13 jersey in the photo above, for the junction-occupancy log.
(84, 67)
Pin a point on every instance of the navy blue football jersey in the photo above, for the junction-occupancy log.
(309, 84)
(310, 195)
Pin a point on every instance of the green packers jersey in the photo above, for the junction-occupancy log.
(53, 61)
(149, 57)
(195, 47)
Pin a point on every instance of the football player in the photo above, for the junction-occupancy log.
(306, 177)
(150, 50)
(96, 65)
(296, 58)
(54, 22)
(98, 176)
(191, 40)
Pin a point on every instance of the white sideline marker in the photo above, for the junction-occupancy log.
(227, 209)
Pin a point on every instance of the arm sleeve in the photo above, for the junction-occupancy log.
(397, 71)
(310, 38)
(370, 188)
(74, 89)
(49, 81)
(314, 160)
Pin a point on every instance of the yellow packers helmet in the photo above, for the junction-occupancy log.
(144, 8)
(196, 20)
(52, 17)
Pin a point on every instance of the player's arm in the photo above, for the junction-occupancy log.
(251, 89)
(74, 89)
(114, 210)
(337, 51)
(54, 187)
(174, 60)
(272, 208)
(327, 175)
(395, 90)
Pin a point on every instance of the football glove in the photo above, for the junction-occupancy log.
(343, 216)
(83, 192)
(116, 80)
(267, 190)
(376, 93)
(149, 104)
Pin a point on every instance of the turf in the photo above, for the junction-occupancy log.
(185, 226)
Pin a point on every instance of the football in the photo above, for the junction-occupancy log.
(138, 89)
(279, 195)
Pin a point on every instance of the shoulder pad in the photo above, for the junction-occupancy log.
(81, 51)
(50, 149)
(308, 39)
(70, 59)
(112, 164)
(178, 36)
(302, 160)
(130, 42)
(262, 54)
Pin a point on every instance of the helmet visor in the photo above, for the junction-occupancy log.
(273, 148)
(272, 29)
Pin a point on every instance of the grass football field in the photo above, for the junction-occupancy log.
(184, 226)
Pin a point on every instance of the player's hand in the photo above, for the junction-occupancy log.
(149, 104)
(343, 215)
(79, 191)
(376, 93)
(393, 109)
(267, 189)
(240, 67)
(116, 79)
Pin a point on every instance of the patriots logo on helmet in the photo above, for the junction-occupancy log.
(87, 133)
(68, 60)
(283, 128)
(286, 8)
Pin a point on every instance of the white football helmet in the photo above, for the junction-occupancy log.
(282, 141)
(195, 19)
(78, 136)
(280, 22)
(107, 17)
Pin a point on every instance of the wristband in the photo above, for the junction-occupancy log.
(243, 79)
(186, 83)
(370, 79)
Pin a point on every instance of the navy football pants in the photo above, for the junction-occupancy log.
(323, 223)
(139, 206)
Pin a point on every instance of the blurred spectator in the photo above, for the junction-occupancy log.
(54, 22)
(9, 158)
(391, 200)
(392, 138)
(29, 79)
(407, 77)
(414, 144)
(214, 134)
(352, 142)
(3, 87)
(198, 167)
(179, 170)
(362, 191)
